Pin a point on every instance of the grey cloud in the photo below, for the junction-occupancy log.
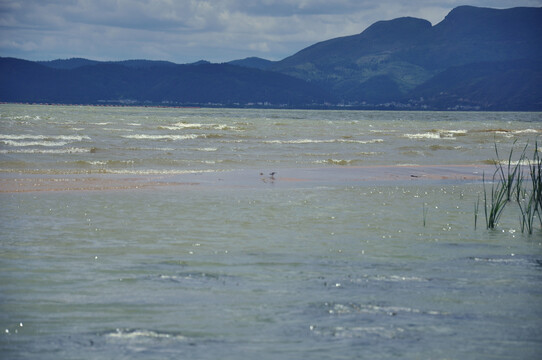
(189, 30)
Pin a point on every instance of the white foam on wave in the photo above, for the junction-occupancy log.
(342, 162)
(33, 143)
(527, 131)
(184, 125)
(44, 137)
(143, 334)
(71, 150)
(372, 141)
(504, 260)
(437, 134)
(26, 117)
(325, 141)
(162, 137)
(340, 309)
(345, 332)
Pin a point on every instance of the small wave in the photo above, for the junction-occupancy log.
(105, 162)
(396, 278)
(508, 131)
(184, 125)
(455, 132)
(359, 331)
(136, 148)
(431, 135)
(33, 143)
(341, 162)
(161, 137)
(341, 309)
(191, 276)
(372, 141)
(506, 260)
(142, 334)
(179, 127)
(224, 127)
(95, 163)
(208, 149)
(327, 141)
(71, 150)
(26, 117)
(524, 162)
(44, 137)
(526, 131)
(438, 134)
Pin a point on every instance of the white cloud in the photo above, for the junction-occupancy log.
(189, 30)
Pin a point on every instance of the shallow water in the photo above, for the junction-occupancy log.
(333, 270)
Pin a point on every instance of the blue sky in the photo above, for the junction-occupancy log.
(184, 31)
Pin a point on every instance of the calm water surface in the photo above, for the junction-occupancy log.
(335, 271)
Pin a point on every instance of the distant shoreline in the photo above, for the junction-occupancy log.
(269, 107)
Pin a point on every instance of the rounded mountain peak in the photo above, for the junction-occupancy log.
(398, 29)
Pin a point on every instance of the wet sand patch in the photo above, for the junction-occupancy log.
(246, 178)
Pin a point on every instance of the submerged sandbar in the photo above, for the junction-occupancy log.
(246, 178)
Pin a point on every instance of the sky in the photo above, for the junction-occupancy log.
(184, 31)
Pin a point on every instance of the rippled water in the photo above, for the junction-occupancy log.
(328, 271)
(73, 139)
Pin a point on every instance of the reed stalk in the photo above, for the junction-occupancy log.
(476, 209)
(424, 209)
(496, 203)
(513, 174)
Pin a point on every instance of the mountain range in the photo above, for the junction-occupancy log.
(475, 59)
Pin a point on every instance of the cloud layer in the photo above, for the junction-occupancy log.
(189, 30)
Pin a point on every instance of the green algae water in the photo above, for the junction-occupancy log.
(379, 269)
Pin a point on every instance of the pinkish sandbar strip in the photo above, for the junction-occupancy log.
(248, 178)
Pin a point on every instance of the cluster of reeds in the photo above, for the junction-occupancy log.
(509, 180)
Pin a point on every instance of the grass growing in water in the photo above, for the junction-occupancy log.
(512, 174)
(532, 205)
(510, 181)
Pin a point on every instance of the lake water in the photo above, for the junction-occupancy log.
(213, 260)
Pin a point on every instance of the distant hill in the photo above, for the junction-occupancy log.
(399, 55)
(68, 63)
(202, 83)
(476, 58)
(253, 62)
